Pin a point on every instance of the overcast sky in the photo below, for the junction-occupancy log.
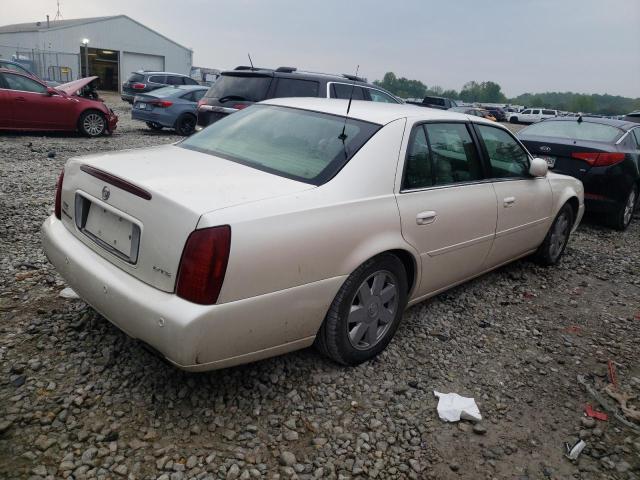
(589, 46)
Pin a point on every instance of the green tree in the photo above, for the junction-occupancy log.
(402, 87)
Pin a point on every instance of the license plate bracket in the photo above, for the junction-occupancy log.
(109, 229)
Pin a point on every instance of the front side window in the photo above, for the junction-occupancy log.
(343, 90)
(173, 80)
(508, 159)
(298, 144)
(526, 112)
(378, 96)
(292, 87)
(24, 84)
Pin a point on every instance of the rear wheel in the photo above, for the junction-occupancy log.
(552, 248)
(154, 126)
(186, 124)
(366, 312)
(622, 218)
(92, 123)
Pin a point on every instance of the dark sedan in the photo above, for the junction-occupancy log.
(603, 153)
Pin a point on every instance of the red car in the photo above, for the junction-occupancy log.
(28, 104)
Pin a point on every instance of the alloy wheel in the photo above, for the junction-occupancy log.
(373, 309)
(629, 207)
(559, 236)
(93, 124)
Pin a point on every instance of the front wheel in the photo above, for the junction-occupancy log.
(622, 218)
(92, 123)
(552, 248)
(513, 120)
(366, 312)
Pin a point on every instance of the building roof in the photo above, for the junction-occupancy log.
(41, 26)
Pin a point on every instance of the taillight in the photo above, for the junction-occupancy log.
(58, 204)
(239, 106)
(138, 86)
(161, 103)
(203, 265)
(599, 159)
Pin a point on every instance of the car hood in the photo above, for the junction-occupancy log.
(72, 87)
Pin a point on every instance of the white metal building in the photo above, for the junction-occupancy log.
(118, 45)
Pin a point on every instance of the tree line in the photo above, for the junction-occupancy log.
(491, 92)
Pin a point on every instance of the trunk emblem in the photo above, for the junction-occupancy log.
(544, 148)
(106, 193)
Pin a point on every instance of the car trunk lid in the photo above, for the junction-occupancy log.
(136, 208)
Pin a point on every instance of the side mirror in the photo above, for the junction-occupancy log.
(538, 168)
(52, 91)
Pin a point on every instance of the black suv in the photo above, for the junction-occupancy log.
(239, 88)
(144, 81)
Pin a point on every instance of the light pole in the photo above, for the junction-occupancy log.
(85, 42)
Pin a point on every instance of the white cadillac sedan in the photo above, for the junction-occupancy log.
(288, 224)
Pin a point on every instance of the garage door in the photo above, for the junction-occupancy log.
(140, 61)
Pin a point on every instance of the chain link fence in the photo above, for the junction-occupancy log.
(47, 64)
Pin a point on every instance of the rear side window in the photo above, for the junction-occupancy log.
(136, 77)
(343, 90)
(24, 84)
(434, 101)
(158, 79)
(378, 96)
(548, 112)
(174, 80)
(297, 144)
(636, 133)
(575, 130)
(535, 112)
(508, 159)
(526, 112)
(418, 171)
(198, 94)
(251, 88)
(292, 87)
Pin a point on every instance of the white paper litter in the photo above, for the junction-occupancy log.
(452, 407)
(69, 293)
(574, 452)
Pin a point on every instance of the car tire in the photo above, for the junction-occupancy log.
(621, 219)
(378, 290)
(92, 123)
(513, 120)
(154, 126)
(551, 250)
(186, 124)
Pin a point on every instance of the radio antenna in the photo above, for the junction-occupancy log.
(250, 61)
(343, 135)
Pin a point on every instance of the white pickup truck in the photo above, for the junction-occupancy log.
(532, 115)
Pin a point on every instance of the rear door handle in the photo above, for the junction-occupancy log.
(20, 99)
(425, 218)
(509, 201)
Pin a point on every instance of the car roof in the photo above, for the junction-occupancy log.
(154, 72)
(374, 112)
(621, 124)
(286, 72)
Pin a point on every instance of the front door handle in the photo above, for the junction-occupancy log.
(20, 99)
(509, 201)
(425, 218)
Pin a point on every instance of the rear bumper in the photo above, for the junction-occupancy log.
(192, 337)
(157, 117)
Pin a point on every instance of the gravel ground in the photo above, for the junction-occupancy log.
(79, 399)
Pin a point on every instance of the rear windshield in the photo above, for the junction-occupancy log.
(248, 88)
(574, 130)
(434, 101)
(136, 77)
(297, 144)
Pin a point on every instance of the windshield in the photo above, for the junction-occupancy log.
(297, 144)
(249, 88)
(574, 130)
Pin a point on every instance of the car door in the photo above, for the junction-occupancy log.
(447, 208)
(525, 115)
(524, 202)
(32, 106)
(6, 109)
